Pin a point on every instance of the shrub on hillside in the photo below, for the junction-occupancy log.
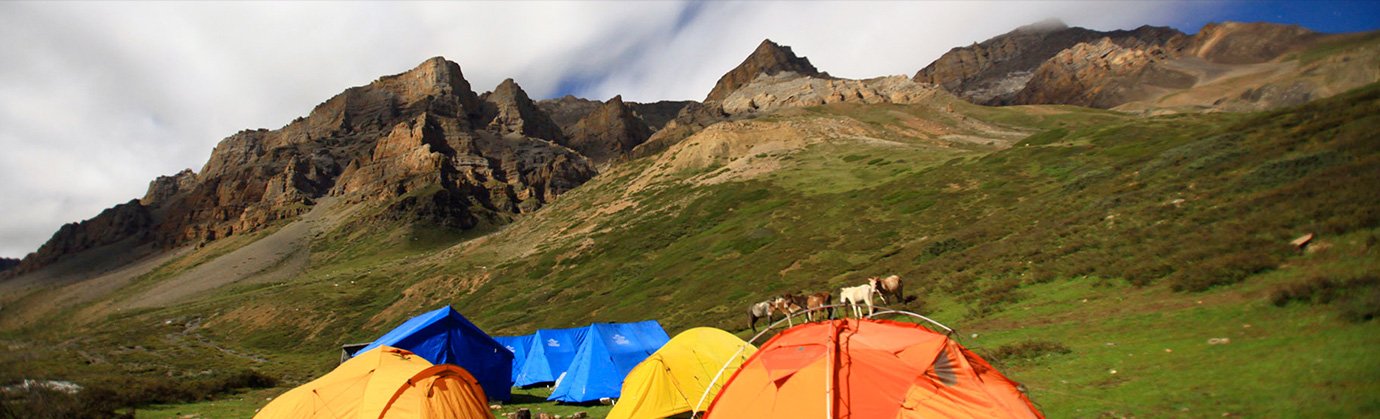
(1222, 270)
(1357, 299)
(106, 398)
(1025, 351)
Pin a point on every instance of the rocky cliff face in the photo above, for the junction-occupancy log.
(568, 110)
(1049, 63)
(1247, 43)
(769, 93)
(1103, 74)
(8, 263)
(510, 111)
(609, 133)
(130, 221)
(769, 59)
(773, 78)
(993, 71)
(420, 141)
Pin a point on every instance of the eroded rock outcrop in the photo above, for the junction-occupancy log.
(568, 110)
(993, 71)
(609, 133)
(1103, 74)
(510, 111)
(769, 93)
(1247, 43)
(1049, 63)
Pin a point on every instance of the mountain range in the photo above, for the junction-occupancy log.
(1046, 159)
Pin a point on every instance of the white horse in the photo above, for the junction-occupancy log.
(760, 310)
(859, 294)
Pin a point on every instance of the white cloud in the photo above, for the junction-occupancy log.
(96, 99)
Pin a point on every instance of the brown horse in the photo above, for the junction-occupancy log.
(817, 300)
(892, 286)
(789, 304)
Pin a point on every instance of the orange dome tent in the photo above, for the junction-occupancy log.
(855, 368)
(385, 382)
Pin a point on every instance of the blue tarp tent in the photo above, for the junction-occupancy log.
(608, 353)
(443, 336)
(519, 346)
(549, 355)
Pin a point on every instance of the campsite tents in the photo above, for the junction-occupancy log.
(518, 345)
(550, 355)
(674, 379)
(443, 336)
(609, 351)
(385, 382)
(870, 369)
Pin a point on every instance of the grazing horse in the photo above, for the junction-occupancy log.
(760, 310)
(859, 294)
(817, 300)
(892, 286)
(789, 304)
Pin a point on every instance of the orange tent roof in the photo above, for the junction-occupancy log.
(854, 368)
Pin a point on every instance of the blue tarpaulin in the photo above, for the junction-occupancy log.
(606, 355)
(443, 336)
(549, 355)
(518, 345)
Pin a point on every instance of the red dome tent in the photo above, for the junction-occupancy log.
(854, 368)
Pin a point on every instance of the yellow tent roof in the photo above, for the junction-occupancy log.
(385, 382)
(673, 379)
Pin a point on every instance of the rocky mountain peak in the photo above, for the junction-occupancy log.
(769, 58)
(608, 133)
(165, 187)
(510, 111)
(419, 131)
(1044, 26)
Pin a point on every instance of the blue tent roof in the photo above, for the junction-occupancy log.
(518, 345)
(443, 336)
(549, 355)
(608, 353)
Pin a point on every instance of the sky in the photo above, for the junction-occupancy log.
(97, 99)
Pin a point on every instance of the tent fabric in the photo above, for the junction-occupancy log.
(385, 382)
(608, 353)
(675, 378)
(549, 355)
(855, 368)
(518, 345)
(443, 336)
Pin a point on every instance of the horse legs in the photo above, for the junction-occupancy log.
(752, 322)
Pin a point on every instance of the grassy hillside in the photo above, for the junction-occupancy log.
(1093, 259)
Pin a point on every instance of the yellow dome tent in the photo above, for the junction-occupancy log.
(385, 382)
(673, 380)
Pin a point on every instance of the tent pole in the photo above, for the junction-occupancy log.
(716, 379)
